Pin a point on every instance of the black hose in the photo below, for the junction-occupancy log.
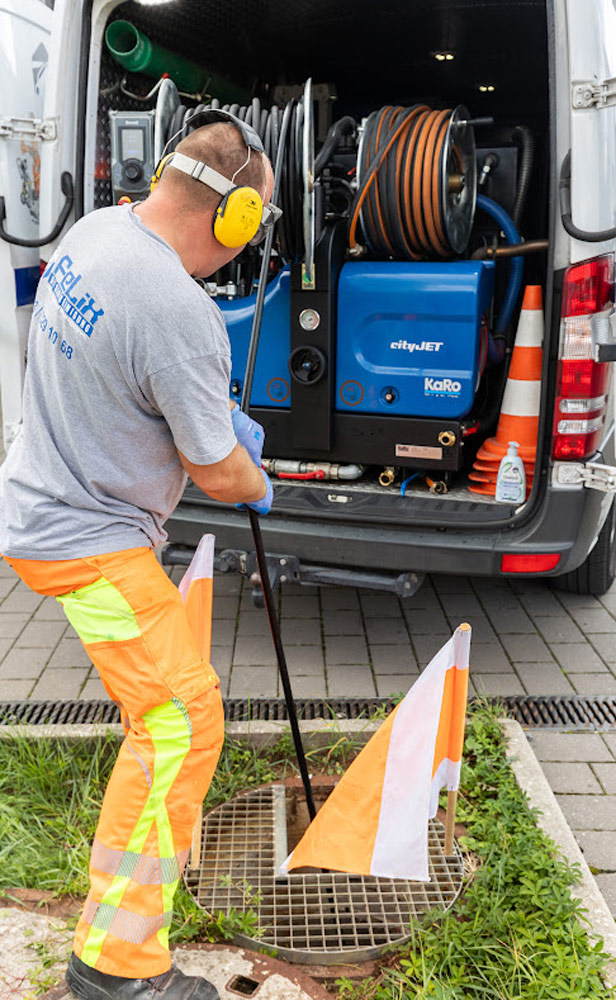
(523, 137)
(345, 126)
(565, 210)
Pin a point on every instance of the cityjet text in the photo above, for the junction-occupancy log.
(426, 345)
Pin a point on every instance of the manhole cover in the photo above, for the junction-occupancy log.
(310, 917)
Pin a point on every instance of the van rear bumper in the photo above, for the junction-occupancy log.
(567, 522)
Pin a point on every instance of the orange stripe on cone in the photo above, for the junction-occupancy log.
(519, 417)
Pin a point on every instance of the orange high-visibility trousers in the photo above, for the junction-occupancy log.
(131, 620)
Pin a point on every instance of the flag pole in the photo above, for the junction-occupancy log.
(450, 822)
(452, 796)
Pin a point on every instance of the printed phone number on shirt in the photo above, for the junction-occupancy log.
(52, 334)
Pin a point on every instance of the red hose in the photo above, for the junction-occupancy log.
(319, 474)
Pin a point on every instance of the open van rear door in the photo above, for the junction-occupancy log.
(591, 29)
(38, 65)
(25, 37)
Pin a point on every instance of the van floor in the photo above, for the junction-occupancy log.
(456, 492)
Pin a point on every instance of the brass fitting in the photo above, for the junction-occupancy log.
(436, 486)
(447, 439)
(387, 475)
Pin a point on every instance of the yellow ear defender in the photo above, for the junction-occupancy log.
(238, 217)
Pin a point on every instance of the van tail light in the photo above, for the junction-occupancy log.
(583, 384)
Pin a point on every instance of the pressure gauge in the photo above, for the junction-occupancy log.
(309, 319)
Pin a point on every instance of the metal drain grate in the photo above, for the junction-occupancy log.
(58, 713)
(575, 712)
(311, 917)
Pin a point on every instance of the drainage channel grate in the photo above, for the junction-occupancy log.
(576, 712)
(309, 916)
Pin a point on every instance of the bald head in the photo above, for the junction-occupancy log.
(221, 147)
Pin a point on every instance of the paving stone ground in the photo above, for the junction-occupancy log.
(581, 769)
(527, 639)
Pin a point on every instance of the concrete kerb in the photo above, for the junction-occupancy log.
(532, 780)
(527, 770)
(317, 732)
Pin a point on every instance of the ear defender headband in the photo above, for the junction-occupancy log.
(241, 216)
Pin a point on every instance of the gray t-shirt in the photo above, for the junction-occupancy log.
(128, 362)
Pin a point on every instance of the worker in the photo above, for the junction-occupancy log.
(126, 394)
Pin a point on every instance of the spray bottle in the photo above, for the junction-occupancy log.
(511, 478)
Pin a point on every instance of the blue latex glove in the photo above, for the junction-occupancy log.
(264, 505)
(249, 433)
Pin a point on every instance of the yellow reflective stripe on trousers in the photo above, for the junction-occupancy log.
(166, 847)
(170, 729)
(100, 613)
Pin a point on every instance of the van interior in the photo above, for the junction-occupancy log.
(392, 301)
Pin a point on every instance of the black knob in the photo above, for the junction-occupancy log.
(307, 365)
(133, 171)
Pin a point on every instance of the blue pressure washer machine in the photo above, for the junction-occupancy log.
(379, 363)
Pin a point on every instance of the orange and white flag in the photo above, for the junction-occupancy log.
(197, 590)
(375, 822)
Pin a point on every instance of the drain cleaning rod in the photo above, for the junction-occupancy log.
(254, 517)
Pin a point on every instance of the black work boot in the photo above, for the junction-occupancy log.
(88, 984)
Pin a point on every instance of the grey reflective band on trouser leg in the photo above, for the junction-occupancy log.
(140, 868)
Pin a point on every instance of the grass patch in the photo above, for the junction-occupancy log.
(50, 796)
(514, 935)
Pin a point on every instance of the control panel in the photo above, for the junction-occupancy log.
(132, 154)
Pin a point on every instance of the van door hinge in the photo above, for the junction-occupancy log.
(592, 475)
(594, 94)
(44, 130)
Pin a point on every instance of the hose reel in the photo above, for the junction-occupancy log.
(417, 179)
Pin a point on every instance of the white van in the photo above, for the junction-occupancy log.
(388, 324)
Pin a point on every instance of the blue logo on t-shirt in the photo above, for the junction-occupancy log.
(80, 309)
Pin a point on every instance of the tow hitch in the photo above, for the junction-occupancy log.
(283, 568)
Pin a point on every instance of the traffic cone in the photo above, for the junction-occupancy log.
(519, 416)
